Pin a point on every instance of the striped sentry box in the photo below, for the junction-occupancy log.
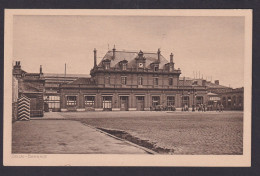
(23, 108)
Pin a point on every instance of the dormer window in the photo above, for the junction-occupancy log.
(171, 68)
(124, 67)
(123, 64)
(107, 66)
(156, 68)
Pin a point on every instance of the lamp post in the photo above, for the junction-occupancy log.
(194, 96)
(182, 106)
(188, 101)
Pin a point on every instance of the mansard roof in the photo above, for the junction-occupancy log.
(130, 57)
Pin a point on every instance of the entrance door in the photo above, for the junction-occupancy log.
(140, 103)
(33, 104)
(107, 103)
(124, 103)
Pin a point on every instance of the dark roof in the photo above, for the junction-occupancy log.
(130, 57)
(67, 75)
(88, 81)
(185, 82)
(215, 86)
(28, 87)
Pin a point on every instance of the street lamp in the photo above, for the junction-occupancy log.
(188, 101)
(194, 96)
(182, 105)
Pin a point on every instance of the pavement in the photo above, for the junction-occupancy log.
(65, 137)
(121, 114)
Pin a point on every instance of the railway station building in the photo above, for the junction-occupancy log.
(131, 81)
(123, 81)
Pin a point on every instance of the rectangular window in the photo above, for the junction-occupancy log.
(185, 101)
(199, 99)
(107, 102)
(107, 80)
(155, 101)
(89, 101)
(156, 68)
(140, 80)
(155, 81)
(123, 80)
(170, 81)
(71, 100)
(52, 101)
(170, 101)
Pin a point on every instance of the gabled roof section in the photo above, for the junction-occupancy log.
(130, 57)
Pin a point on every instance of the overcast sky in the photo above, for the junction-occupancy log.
(212, 45)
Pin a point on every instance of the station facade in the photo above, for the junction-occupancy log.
(123, 81)
(131, 81)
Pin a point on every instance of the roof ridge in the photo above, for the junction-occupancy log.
(129, 51)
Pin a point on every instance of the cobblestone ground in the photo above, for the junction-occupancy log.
(186, 132)
(65, 137)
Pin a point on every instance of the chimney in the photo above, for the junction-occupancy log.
(114, 52)
(203, 82)
(40, 69)
(171, 58)
(17, 65)
(95, 57)
(159, 53)
(217, 82)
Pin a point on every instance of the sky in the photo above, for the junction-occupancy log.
(211, 46)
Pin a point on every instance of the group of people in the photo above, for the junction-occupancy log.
(220, 107)
(185, 107)
(204, 108)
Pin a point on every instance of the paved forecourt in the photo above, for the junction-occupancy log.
(130, 114)
(208, 132)
(65, 137)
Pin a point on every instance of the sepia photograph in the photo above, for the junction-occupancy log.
(127, 87)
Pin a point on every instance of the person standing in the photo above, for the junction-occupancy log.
(221, 107)
(217, 108)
